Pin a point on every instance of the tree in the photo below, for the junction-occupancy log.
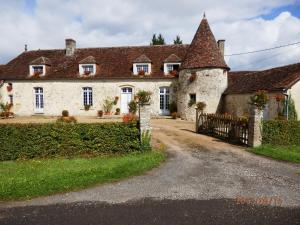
(159, 40)
(177, 40)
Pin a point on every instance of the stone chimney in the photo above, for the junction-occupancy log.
(70, 47)
(221, 46)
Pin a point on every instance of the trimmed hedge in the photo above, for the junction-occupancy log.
(280, 132)
(25, 141)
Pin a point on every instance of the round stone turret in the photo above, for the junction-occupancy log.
(203, 75)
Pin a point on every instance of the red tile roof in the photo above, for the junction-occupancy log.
(142, 59)
(88, 60)
(113, 62)
(41, 61)
(172, 59)
(203, 51)
(275, 79)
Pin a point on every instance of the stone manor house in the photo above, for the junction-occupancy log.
(49, 81)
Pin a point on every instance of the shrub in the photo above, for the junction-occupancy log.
(201, 106)
(173, 107)
(174, 115)
(144, 97)
(108, 105)
(132, 107)
(25, 141)
(281, 132)
(259, 99)
(118, 110)
(100, 113)
(5, 110)
(66, 119)
(65, 113)
(87, 107)
(128, 118)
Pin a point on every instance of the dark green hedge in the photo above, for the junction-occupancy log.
(277, 132)
(58, 139)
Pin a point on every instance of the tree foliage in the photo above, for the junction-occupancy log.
(157, 40)
(177, 40)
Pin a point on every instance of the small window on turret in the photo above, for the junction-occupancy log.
(192, 100)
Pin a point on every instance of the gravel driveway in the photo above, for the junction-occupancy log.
(198, 167)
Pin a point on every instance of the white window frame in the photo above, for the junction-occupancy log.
(39, 99)
(81, 69)
(135, 70)
(87, 94)
(31, 69)
(166, 71)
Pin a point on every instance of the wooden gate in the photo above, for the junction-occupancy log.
(226, 127)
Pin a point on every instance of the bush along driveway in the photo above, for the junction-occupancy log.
(281, 140)
(200, 168)
(58, 157)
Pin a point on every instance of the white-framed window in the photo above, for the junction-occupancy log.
(37, 70)
(87, 69)
(87, 96)
(139, 67)
(169, 67)
(39, 99)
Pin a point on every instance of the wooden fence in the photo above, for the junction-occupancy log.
(226, 127)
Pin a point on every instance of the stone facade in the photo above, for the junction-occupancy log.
(295, 93)
(208, 86)
(145, 116)
(68, 95)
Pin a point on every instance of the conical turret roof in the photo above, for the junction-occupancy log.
(203, 51)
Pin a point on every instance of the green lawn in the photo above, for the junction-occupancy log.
(286, 153)
(27, 179)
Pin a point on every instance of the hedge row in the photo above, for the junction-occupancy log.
(277, 132)
(25, 141)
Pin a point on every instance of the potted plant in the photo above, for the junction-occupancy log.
(118, 110)
(192, 78)
(116, 100)
(100, 113)
(65, 113)
(37, 74)
(9, 87)
(141, 73)
(86, 72)
(107, 106)
(132, 105)
(174, 73)
(5, 110)
(174, 115)
(87, 107)
(259, 99)
(201, 106)
(144, 97)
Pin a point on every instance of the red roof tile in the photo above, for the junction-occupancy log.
(113, 62)
(275, 79)
(203, 51)
(41, 61)
(172, 59)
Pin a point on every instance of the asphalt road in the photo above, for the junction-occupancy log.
(147, 212)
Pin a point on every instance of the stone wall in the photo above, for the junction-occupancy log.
(208, 86)
(68, 95)
(238, 105)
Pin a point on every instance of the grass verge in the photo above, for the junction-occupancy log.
(32, 178)
(286, 153)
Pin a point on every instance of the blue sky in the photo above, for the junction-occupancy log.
(246, 25)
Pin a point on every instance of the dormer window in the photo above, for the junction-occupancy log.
(39, 66)
(37, 70)
(142, 65)
(171, 68)
(171, 65)
(87, 69)
(87, 66)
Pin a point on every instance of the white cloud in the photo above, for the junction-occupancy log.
(96, 23)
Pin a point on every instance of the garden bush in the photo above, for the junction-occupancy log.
(280, 132)
(25, 141)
